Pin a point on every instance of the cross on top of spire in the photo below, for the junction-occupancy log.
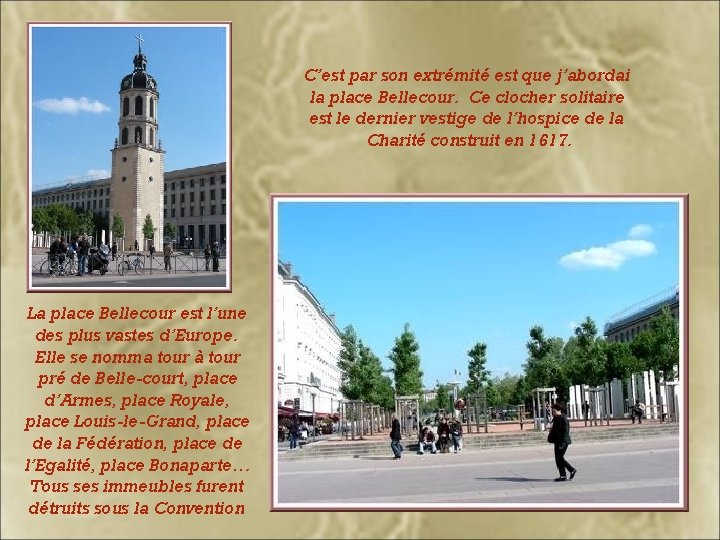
(140, 40)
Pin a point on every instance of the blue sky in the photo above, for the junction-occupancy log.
(75, 76)
(483, 270)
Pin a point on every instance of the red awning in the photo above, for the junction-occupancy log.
(290, 412)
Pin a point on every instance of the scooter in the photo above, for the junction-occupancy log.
(99, 259)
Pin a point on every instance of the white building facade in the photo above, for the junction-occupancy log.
(306, 346)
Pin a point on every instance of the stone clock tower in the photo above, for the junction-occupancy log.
(137, 158)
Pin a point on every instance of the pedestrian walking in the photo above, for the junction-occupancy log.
(114, 250)
(586, 410)
(167, 253)
(293, 434)
(83, 252)
(216, 257)
(559, 436)
(208, 254)
(395, 437)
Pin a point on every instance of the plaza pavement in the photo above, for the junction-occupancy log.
(500, 434)
(183, 266)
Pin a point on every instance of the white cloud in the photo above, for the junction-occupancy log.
(640, 231)
(71, 106)
(99, 173)
(611, 256)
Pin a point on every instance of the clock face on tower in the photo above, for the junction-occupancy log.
(126, 83)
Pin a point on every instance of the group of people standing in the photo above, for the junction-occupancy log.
(78, 247)
(447, 431)
(212, 251)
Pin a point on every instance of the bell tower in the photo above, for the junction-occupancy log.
(137, 158)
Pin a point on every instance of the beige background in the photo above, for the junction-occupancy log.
(668, 145)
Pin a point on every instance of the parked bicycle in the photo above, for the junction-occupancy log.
(132, 261)
(59, 264)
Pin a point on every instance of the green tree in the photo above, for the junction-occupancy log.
(406, 364)
(503, 391)
(522, 393)
(170, 231)
(362, 374)
(658, 348)
(443, 397)
(665, 352)
(620, 362)
(478, 375)
(584, 356)
(85, 222)
(100, 222)
(370, 375)
(64, 218)
(118, 226)
(42, 221)
(349, 364)
(148, 228)
(385, 393)
(544, 367)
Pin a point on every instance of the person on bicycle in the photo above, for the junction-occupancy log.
(54, 255)
(62, 253)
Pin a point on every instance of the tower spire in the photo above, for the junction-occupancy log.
(140, 40)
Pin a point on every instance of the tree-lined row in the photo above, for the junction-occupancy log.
(585, 358)
(60, 219)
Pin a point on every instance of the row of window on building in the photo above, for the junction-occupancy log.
(97, 198)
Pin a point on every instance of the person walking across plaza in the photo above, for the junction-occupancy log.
(208, 254)
(216, 257)
(559, 436)
(586, 411)
(395, 437)
(83, 252)
(293, 432)
(167, 253)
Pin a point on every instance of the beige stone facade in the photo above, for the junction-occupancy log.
(137, 160)
(137, 190)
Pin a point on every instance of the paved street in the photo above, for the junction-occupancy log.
(156, 280)
(641, 473)
(190, 274)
